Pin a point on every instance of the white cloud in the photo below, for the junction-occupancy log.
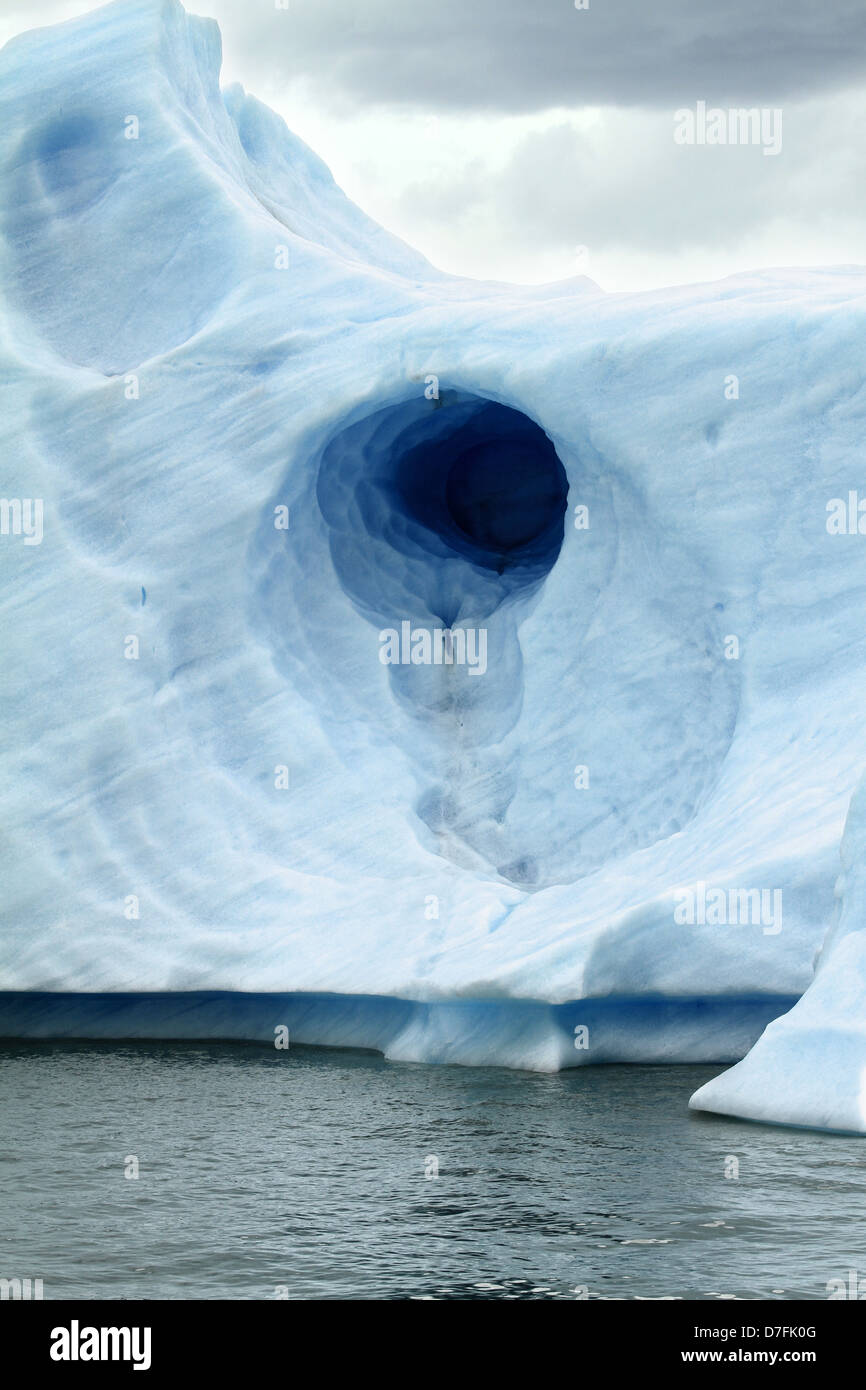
(498, 136)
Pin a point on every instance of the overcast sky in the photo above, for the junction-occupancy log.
(502, 136)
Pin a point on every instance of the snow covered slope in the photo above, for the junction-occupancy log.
(263, 433)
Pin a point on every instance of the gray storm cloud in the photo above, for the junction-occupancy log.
(516, 56)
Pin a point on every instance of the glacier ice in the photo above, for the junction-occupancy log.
(809, 1067)
(263, 431)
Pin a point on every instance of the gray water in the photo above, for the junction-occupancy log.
(268, 1174)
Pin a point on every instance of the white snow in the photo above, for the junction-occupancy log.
(197, 330)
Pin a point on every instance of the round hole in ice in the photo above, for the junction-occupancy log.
(491, 486)
(442, 508)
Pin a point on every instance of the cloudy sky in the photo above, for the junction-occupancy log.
(530, 140)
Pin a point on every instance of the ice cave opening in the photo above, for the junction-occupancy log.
(442, 509)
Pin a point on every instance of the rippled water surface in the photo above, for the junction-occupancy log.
(305, 1173)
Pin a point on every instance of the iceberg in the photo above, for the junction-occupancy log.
(465, 670)
(809, 1067)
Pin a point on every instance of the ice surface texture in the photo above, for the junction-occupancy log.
(809, 1067)
(264, 431)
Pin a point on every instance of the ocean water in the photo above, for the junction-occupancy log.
(312, 1174)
